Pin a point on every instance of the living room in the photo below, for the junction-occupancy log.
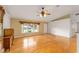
(38, 28)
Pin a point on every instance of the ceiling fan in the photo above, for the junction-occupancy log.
(43, 12)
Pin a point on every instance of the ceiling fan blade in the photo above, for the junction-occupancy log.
(49, 14)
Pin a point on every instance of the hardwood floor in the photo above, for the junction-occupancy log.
(73, 43)
(43, 44)
(1, 45)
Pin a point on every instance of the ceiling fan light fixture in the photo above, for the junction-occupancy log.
(43, 13)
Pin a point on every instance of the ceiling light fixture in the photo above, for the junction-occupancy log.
(44, 12)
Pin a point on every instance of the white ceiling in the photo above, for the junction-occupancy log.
(32, 11)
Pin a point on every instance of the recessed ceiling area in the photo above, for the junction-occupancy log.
(32, 11)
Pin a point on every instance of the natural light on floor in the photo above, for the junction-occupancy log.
(30, 42)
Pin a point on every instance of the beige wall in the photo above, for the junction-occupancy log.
(15, 24)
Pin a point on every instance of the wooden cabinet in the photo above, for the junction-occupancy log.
(8, 38)
(6, 43)
(2, 12)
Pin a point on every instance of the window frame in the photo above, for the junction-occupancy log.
(28, 24)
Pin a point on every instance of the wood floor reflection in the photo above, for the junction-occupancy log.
(73, 44)
(42, 44)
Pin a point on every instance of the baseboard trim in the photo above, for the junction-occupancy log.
(28, 36)
(59, 35)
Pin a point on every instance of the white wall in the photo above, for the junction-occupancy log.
(75, 20)
(45, 28)
(61, 27)
(6, 20)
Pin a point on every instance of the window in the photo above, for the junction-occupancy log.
(29, 28)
